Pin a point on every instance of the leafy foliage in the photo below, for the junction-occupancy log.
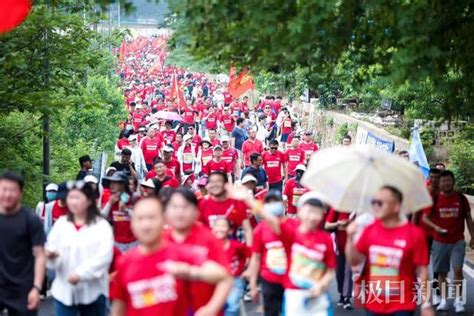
(422, 47)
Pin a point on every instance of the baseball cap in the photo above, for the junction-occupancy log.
(51, 187)
(312, 198)
(300, 167)
(168, 149)
(217, 147)
(132, 137)
(148, 183)
(187, 137)
(206, 140)
(248, 178)
(225, 138)
(91, 179)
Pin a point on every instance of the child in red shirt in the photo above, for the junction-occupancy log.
(238, 255)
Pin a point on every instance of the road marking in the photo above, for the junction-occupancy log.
(470, 271)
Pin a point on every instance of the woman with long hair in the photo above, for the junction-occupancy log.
(79, 249)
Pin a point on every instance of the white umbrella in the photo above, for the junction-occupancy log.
(349, 178)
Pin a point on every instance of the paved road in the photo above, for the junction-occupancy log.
(253, 310)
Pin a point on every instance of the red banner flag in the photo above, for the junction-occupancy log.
(177, 92)
(123, 51)
(243, 83)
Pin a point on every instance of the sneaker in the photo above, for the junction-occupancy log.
(459, 307)
(347, 304)
(247, 297)
(341, 301)
(443, 306)
(436, 299)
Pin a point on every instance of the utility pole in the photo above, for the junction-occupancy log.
(118, 13)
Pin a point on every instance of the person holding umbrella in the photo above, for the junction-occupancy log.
(394, 251)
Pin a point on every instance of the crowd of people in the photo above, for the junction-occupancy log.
(204, 205)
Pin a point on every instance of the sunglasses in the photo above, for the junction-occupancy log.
(377, 203)
(273, 148)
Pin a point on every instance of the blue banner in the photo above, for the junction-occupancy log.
(385, 145)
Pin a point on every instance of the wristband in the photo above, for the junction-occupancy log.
(38, 288)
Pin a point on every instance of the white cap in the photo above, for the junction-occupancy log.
(225, 138)
(91, 179)
(133, 137)
(168, 149)
(311, 195)
(148, 183)
(51, 187)
(300, 167)
(248, 178)
(187, 137)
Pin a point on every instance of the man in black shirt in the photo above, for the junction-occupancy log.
(125, 164)
(86, 165)
(23, 259)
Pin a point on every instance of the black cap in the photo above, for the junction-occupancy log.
(273, 195)
(119, 176)
(84, 158)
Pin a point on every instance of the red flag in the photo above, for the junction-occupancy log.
(177, 92)
(123, 51)
(231, 73)
(243, 83)
(13, 13)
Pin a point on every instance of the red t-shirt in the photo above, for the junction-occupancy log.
(309, 254)
(168, 136)
(235, 211)
(341, 235)
(152, 174)
(197, 248)
(309, 148)
(213, 165)
(122, 143)
(121, 222)
(174, 167)
(449, 213)
(237, 255)
(294, 157)
(230, 155)
(150, 148)
(196, 141)
(211, 122)
(249, 147)
(58, 211)
(293, 192)
(206, 156)
(188, 158)
(227, 97)
(272, 163)
(286, 127)
(137, 120)
(145, 288)
(393, 254)
(273, 263)
(228, 122)
(290, 137)
(188, 116)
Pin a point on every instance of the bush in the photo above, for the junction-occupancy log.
(341, 132)
(461, 158)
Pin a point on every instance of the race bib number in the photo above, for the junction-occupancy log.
(297, 193)
(158, 290)
(188, 158)
(206, 159)
(449, 212)
(276, 258)
(307, 265)
(287, 124)
(119, 216)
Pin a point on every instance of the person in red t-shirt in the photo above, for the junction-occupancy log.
(171, 163)
(205, 152)
(274, 163)
(189, 115)
(212, 118)
(217, 204)
(195, 244)
(395, 254)
(294, 190)
(250, 146)
(151, 279)
(137, 116)
(308, 145)
(162, 178)
(227, 121)
(168, 134)
(230, 155)
(337, 222)
(309, 251)
(218, 164)
(294, 156)
(212, 134)
(268, 261)
(117, 208)
(187, 155)
(237, 255)
(447, 219)
(151, 146)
